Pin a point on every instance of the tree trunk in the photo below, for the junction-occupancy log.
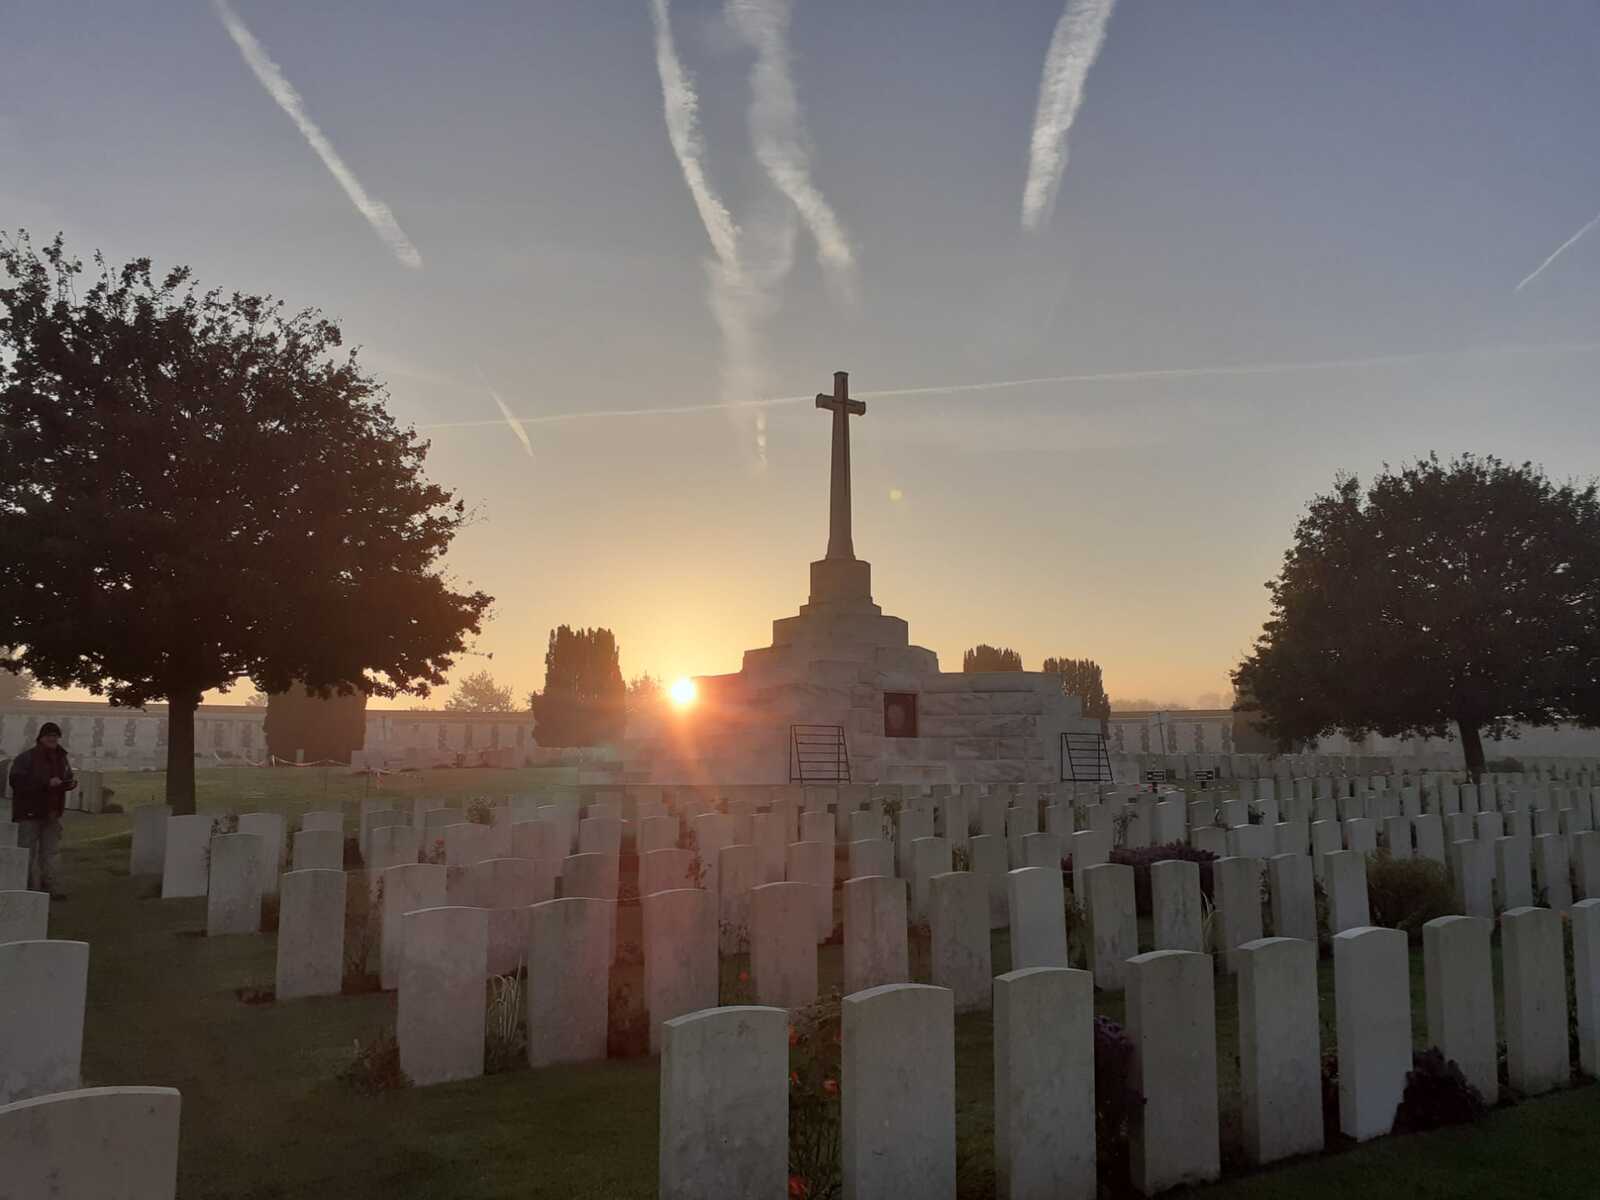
(1471, 747)
(180, 752)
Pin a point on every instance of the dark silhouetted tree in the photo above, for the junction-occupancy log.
(479, 692)
(985, 657)
(14, 685)
(197, 489)
(645, 692)
(1464, 595)
(1081, 677)
(584, 698)
(323, 728)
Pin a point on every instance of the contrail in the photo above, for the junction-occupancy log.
(515, 424)
(1076, 43)
(777, 132)
(1559, 251)
(280, 89)
(749, 265)
(995, 385)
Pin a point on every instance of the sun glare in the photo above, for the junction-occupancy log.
(683, 693)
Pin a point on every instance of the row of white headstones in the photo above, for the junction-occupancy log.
(448, 925)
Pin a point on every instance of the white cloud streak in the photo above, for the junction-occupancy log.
(748, 265)
(1156, 374)
(271, 78)
(777, 132)
(1559, 251)
(1076, 43)
(511, 420)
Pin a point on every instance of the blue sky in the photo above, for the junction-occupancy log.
(1248, 184)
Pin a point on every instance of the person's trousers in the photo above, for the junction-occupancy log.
(41, 839)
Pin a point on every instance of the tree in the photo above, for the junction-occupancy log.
(584, 698)
(14, 685)
(645, 692)
(1463, 595)
(479, 692)
(322, 728)
(257, 699)
(197, 489)
(1081, 677)
(985, 657)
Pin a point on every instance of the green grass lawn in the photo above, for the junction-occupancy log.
(265, 1116)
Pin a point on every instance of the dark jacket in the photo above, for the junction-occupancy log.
(32, 797)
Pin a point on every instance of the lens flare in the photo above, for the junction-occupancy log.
(683, 693)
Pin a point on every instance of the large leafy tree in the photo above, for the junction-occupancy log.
(1463, 595)
(321, 728)
(479, 692)
(984, 657)
(584, 698)
(196, 488)
(1082, 677)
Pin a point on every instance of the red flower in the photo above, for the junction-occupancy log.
(831, 1086)
(794, 1078)
(794, 1036)
(799, 1187)
(744, 976)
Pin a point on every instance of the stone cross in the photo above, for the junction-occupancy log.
(839, 541)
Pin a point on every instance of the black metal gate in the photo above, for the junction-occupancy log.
(818, 754)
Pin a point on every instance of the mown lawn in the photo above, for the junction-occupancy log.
(265, 1115)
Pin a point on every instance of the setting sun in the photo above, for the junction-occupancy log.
(683, 693)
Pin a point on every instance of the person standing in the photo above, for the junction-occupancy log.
(40, 780)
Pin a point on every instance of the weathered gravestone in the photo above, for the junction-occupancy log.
(569, 969)
(875, 945)
(114, 1143)
(310, 934)
(42, 991)
(441, 1011)
(897, 1119)
(725, 1104)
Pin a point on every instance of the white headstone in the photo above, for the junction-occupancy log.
(1460, 997)
(467, 842)
(1113, 923)
(898, 1120)
(1372, 1003)
(391, 846)
(42, 991)
(1513, 871)
(1236, 884)
(989, 863)
(725, 1103)
(1534, 980)
(233, 901)
(1171, 1018)
(1346, 881)
(1038, 918)
(1553, 871)
(314, 850)
(117, 1143)
(1175, 905)
(406, 888)
(783, 944)
(1294, 902)
(24, 916)
(188, 848)
(1280, 1056)
(958, 920)
(680, 955)
(311, 934)
(1044, 1144)
(441, 1011)
(149, 850)
(569, 974)
(812, 862)
(591, 875)
(871, 856)
(875, 948)
(930, 856)
(1586, 982)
